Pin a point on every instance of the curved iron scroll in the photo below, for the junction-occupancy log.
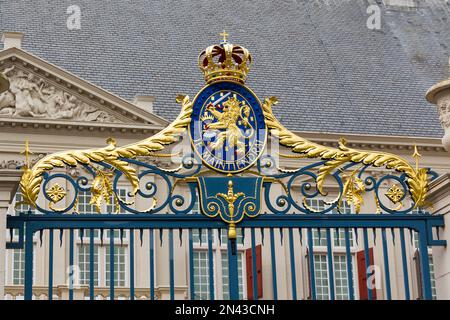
(346, 166)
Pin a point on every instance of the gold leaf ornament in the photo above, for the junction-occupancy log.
(101, 189)
(353, 190)
(395, 194)
(417, 179)
(56, 193)
(31, 180)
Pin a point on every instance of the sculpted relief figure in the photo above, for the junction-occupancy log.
(31, 97)
(444, 112)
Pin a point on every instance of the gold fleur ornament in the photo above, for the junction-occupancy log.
(395, 194)
(56, 193)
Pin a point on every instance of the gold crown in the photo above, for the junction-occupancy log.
(225, 61)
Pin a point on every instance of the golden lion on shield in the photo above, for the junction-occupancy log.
(228, 120)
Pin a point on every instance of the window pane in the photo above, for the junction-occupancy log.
(321, 275)
(84, 264)
(201, 275)
(18, 266)
(84, 197)
(319, 239)
(120, 258)
(433, 279)
(224, 236)
(114, 206)
(225, 275)
(21, 207)
(341, 277)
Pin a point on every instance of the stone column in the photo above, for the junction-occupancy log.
(439, 196)
(9, 180)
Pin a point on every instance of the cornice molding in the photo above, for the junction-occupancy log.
(377, 142)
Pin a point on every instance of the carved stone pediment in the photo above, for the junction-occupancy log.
(40, 91)
(31, 96)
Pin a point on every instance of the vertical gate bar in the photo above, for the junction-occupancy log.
(405, 264)
(233, 282)
(152, 266)
(191, 266)
(71, 265)
(91, 264)
(312, 276)
(254, 271)
(274, 265)
(386, 264)
(423, 250)
(131, 264)
(111, 264)
(28, 290)
(330, 264)
(211, 266)
(171, 267)
(50, 265)
(293, 275)
(367, 264)
(349, 265)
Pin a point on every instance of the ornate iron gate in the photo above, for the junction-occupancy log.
(239, 184)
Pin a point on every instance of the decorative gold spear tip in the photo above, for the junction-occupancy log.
(27, 153)
(416, 155)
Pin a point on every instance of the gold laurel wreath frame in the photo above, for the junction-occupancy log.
(417, 179)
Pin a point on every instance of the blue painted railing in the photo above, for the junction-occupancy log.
(368, 223)
(285, 210)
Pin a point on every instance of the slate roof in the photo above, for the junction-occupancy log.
(330, 72)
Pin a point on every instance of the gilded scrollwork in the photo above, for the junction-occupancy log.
(417, 179)
(32, 177)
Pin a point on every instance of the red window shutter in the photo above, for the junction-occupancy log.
(249, 267)
(362, 274)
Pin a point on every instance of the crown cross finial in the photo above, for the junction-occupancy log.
(225, 35)
(225, 61)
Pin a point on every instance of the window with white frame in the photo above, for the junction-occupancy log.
(415, 242)
(337, 235)
(432, 277)
(319, 238)
(225, 276)
(120, 258)
(84, 263)
(340, 276)
(102, 267)
(18, 267)
(201, 275)
(18, 255)
(220, 251)
(321, 276)
(19, 206)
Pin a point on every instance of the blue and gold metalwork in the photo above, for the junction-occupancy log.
(227, 128)
(243, 198)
